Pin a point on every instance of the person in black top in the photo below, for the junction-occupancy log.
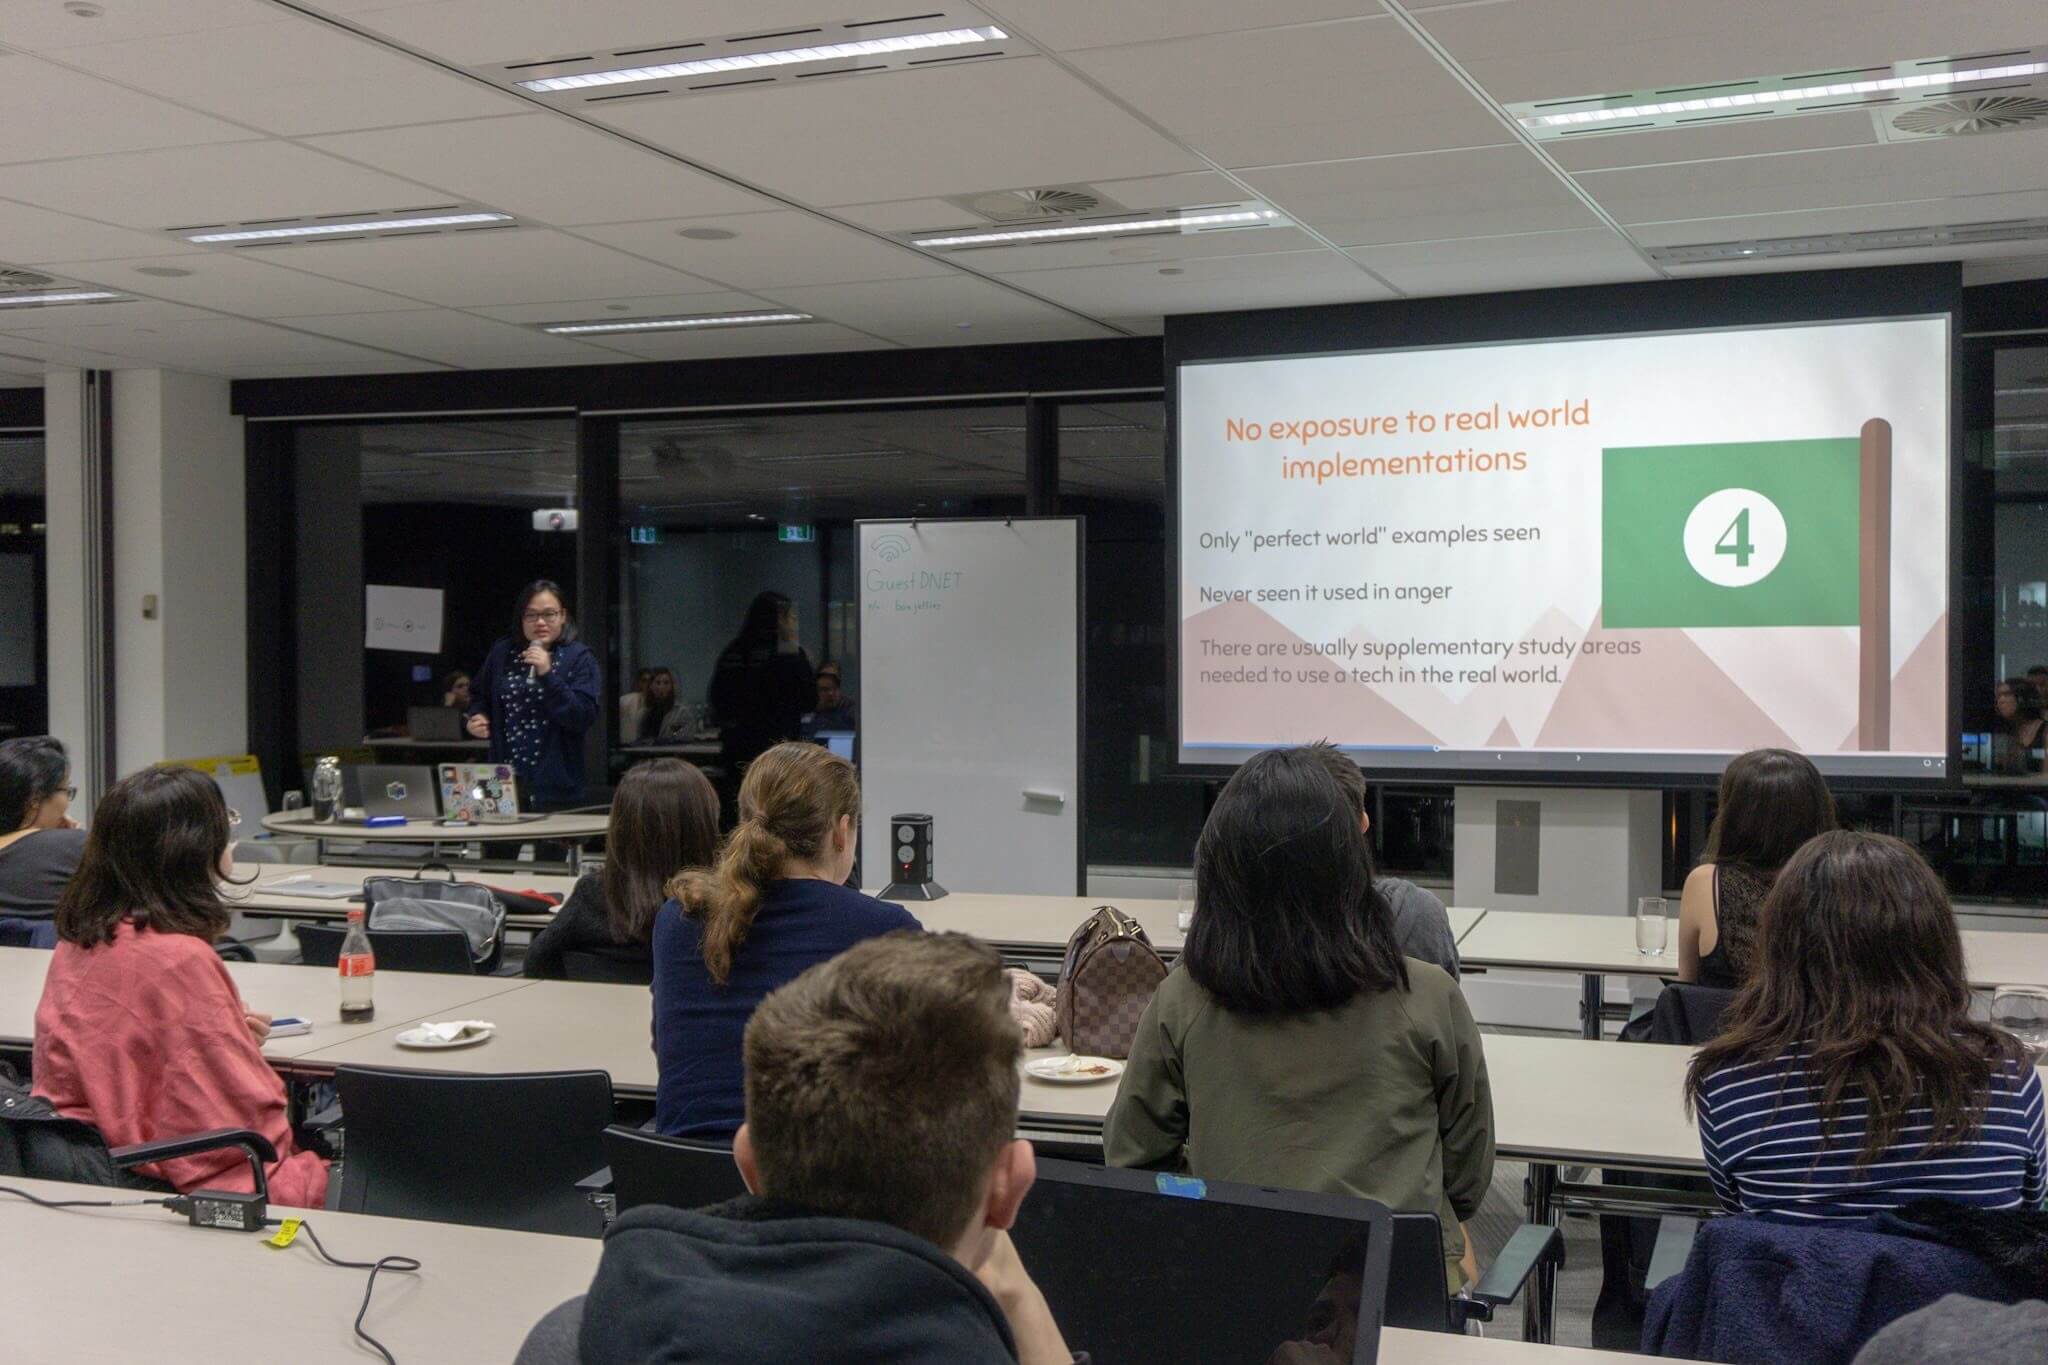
(1771, 801)
(664, 819)
(762, 686)
(40, 844)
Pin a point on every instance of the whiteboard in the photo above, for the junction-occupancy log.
(970, 698)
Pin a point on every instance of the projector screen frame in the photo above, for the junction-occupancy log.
(1579, 314)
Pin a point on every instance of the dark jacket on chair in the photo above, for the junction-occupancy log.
(38, 1142)
(756, 1282)
(1760, 1292)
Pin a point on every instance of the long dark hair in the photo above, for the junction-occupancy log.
(526, 595)
(761, 632)
(1771, 801)
(1860, 967)
(2026, 699)
(31, 771)
(153, 857)
(664, 819)
(651, 715)
(790, 800)
(1287, 920)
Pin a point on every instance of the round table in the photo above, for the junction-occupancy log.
(572, 830)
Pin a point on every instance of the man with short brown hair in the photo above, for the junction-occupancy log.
(879, 1145)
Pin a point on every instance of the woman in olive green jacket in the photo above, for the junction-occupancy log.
(1293, 1045)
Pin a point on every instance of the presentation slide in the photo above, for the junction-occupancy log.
(1623, 554)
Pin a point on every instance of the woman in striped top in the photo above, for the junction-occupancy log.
(1849, 1078)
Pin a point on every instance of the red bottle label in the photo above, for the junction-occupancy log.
(361, 964)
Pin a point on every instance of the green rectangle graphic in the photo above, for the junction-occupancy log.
(1749, 533)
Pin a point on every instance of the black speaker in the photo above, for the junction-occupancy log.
(910, 860)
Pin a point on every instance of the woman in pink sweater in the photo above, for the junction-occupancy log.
(140, 1031)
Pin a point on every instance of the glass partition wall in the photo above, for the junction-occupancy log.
(24, 666)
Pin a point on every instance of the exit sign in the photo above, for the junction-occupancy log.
(644, 535)
(796, 532)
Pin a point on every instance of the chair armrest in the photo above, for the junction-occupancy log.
(253, 1145)
(598, 1181)
(1533, 1244)
(1674, 1245)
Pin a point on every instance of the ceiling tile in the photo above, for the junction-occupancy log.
(32, 236)
(637, 306)
(909, 134)
(211, 346)
(456, 338)
(294, 78)
(45, 26)
(224, 184)
(79, 323)
(1483, 193)
(1669, 145)
(544, 168)
(1321, 92)
(782, 339)
(1064, 25)
(1540, 260)
(770, 249)
(270, 369)
(517, 265)
(1883, 174)
(1559, 49)
(1164, 248)
(50, 112)
(480, 32)
(927, 312)
(1184, 190)
(1219, 285)
(236, 283)
(1980, 208)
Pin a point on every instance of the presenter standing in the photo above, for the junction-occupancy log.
(535, 696)
(761, 687)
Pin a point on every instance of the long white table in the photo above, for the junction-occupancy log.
(192, 1295)
(1597, 946)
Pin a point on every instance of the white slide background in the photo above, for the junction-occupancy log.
(1780, 383)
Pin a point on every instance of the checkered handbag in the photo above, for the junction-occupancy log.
(1106, 979)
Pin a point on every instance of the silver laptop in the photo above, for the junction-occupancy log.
(385, 789)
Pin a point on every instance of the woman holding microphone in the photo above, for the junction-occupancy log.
(535, 696)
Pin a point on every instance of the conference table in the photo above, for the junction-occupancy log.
(264, 890)
(188, 1293)
(1597, 946)
(571, 829)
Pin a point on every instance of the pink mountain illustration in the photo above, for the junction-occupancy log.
(1247, 712)
(1618, 701)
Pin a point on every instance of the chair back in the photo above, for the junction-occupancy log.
(397, 950)
(684, 1173)
(581, 965)
(489, 1151)
(1687, 1013)
(1418, 1294)
(1155, 1269)
(27, 933)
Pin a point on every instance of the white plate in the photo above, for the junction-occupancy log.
(1054, 1069)
(421, 1039)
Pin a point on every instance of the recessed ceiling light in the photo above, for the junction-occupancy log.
(163, 272)
(1812, 93)
(754, 61)
(1183, 222)
(704, 234)
(79, 9)
(671, 324)
(303, 230)
(59, 296)
(1172, 270)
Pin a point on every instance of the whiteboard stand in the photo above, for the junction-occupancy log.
(970, 702)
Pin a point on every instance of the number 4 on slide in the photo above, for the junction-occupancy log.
(1741, 548)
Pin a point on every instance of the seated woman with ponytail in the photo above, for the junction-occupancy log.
(774, 905)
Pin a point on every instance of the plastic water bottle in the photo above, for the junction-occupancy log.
(358, 972)
(326, 789)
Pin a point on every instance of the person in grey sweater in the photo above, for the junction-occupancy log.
(1422, 927)
(1963, 1331)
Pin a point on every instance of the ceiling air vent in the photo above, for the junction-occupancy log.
(1037, 205)
(1972, 114)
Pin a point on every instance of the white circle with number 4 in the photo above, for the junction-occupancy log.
(1735, 537)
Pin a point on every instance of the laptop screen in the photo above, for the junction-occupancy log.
(1203, 1274)
(838, 741)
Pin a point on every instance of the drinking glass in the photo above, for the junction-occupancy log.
(294, 800)
(1184, 904)
(2022, 1011)
(1652, 917)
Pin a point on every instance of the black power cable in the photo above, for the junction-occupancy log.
(41, 1202)
(399, 1263)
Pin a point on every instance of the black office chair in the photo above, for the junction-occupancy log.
(39, 1143)
(406, 950)
(685, 1173)
(27, 933)
(490, 1151)
(579, 965)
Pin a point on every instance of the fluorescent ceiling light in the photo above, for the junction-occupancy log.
(671, 324)
(1844, 243)
(754, 61)
(344, 229)
(1883, 85)
(1072, 230)
(60, 296)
